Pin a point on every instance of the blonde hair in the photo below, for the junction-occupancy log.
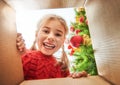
(46, 19)
(49, 17)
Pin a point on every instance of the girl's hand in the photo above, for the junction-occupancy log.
(20, 42)
(78, 74)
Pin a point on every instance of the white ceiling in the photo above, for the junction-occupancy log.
(43, 4)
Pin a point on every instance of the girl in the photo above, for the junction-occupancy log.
(40, 63)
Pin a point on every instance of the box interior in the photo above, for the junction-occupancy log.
(104, 28)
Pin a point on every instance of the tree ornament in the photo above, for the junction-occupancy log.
(81, 19)
(72, 29)
(80, 9)
(76, 40)
(77, 31)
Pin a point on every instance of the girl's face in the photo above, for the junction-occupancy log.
(50, 37)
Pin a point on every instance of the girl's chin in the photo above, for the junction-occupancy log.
(47, 52)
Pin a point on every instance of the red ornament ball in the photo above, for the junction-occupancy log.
(77, 31)
(72, 29)
(76, 40)
(82, 19)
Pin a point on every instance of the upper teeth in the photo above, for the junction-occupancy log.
(49, 45)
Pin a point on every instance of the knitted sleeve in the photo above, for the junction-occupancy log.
(65, 73)
(26, 61)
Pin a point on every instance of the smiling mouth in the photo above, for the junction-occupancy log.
(49, 46)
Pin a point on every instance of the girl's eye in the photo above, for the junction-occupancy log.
(46, 31)
(58, 34)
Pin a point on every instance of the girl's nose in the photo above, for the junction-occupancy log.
(51, 37)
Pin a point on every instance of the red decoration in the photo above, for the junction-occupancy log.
(72, 29)
(72, 51)
(69, 47)
(82, 19)
(77, 31)
(87, 22)
(76, 40)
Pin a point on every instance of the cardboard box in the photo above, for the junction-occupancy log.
(92, 80)
(104, 25)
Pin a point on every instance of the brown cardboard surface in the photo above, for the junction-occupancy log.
(91, 80)
(104, 24)
(43, 4)
(10, 61)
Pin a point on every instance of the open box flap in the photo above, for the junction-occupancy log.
(10, 62)
(92, 80)
(104, 24)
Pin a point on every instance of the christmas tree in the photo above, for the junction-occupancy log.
(80, 44)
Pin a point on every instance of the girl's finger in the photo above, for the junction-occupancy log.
(21, 42)
(19, 38)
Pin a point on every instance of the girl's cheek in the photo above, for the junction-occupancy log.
(59, 39)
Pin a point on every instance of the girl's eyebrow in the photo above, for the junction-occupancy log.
(60, 31)
(46, 27)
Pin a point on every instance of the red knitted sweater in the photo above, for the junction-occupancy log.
(39, 66)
